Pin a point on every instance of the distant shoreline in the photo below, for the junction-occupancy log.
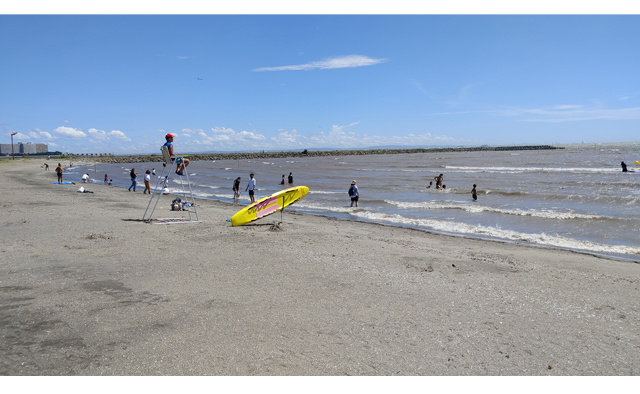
(290, 154)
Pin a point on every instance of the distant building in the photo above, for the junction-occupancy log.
(22, 148)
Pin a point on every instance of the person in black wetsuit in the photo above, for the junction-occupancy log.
(624, 166)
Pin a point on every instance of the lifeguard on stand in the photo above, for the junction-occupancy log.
(182, 162)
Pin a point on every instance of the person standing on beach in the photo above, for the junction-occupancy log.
(236, 188)
(438, 180)
(153, 171)
(59, 171)
(106, 179)
(624, 166)
(182, 162)
(290, 179)
(474, 193)
(251, 186)
(147, 182)
(354, 193)
(133, 176)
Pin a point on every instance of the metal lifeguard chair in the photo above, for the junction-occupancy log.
(162, 181)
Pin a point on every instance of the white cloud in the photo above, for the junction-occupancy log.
(20, 136)
(349, 61)
(65, 121)
(287, 138)
(223, 130)
(119, 135)
(98, 134)
(44, 134)
(70, 132)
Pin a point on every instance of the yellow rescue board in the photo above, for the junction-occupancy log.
(268, 205)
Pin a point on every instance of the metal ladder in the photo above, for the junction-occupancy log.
(162, 181)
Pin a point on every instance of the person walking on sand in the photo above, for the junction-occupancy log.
(290, 179)
(236, 188)
(624, 166)
(182, 162)
(147, 182)
(474, 193)
(106, 179)
(251, 186)
(134, 177)
(354, 193)
(59, 171)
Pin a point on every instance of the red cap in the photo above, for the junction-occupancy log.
(169, 135)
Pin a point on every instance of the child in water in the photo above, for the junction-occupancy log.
(474, 193)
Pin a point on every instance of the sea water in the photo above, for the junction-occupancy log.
(575, 198)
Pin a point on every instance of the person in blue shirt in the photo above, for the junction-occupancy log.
(182, 163)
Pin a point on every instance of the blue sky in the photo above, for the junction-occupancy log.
(118, 83)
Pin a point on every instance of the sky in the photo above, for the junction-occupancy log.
(118, 83)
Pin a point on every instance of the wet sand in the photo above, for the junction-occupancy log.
(86, 288)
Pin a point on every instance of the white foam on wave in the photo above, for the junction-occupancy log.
(496, 232)
(531, 169)
(478, 208)
(224, 195)
(325, 192)
(337, 209)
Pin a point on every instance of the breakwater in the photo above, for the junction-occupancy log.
(305, 153)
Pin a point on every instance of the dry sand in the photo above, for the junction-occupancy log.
(86, 288)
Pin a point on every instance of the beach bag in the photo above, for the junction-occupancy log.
(351, 191)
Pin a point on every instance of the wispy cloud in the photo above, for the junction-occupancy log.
(349, 61)
(567, 106)
(557, 113)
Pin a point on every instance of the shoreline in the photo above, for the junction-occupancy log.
(87, 288)
(620, 258)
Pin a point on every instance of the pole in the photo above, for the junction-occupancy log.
(13, 155)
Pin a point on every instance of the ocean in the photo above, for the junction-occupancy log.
(575, 198)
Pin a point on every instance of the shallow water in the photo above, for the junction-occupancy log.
(575, 198)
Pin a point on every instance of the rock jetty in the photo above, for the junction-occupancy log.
(305, 153)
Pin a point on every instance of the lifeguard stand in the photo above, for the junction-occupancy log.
(162, 181)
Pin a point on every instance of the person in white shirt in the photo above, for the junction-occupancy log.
(147, 182)
(251, 186)
(85, 178)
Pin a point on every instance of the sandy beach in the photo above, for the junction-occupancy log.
(86, 288)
